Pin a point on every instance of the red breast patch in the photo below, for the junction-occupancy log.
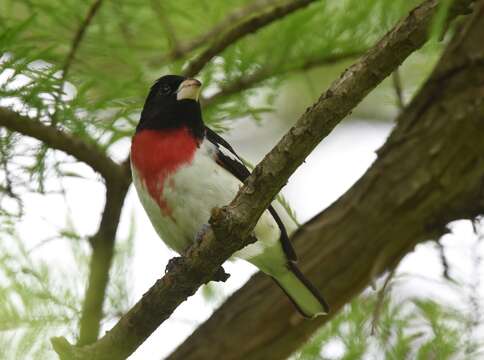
(157, 154)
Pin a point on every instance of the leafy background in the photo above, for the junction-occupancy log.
(254, 90)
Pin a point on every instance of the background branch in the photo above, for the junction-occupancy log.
(167, 27)
(380, 300)
(265, 73)
(184, 48)
(397, 85)
(88, 153)
(76, 42)
(231, 225)
(102, 244)
(242, 29)
(118, 179)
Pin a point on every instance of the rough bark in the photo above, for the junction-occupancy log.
(429, 172)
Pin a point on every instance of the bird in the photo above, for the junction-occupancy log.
(182, 169)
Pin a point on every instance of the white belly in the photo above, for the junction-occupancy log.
(191, 193)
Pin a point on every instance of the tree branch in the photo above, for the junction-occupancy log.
(231, 225)
(397, 85)
(85, 152)
(102, 244)
(167, 26)
(244, 28)
(76, 42)
(264, 73)
(429, 172)
(118, 179)
(183, 49)
(380, 300)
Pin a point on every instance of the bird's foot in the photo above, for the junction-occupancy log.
(176, 262)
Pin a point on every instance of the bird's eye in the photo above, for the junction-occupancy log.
(165, 89)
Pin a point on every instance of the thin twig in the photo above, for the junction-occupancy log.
(397, 85)
(380, 301)
(76, 42)
(183, 49)
(474, 320)
(244, 28)
(167, 26)
(79, 36)
(444, 262)
(4, 162)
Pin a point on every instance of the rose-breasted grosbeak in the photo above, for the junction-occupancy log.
(182, 170)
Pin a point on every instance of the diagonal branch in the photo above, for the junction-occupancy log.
(231, 225)
(183, 49)
(429, 172)
(241, 30)
(85, 152)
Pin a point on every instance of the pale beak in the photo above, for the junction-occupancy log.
(189, 89)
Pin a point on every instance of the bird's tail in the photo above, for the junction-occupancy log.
(301, 292)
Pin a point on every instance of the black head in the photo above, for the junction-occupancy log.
(172, 103)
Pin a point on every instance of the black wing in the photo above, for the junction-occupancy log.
(237, 168)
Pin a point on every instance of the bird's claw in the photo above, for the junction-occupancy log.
(176, 262)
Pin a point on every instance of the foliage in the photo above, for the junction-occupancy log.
(40, 298)
(414, 328)
(122, 53)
